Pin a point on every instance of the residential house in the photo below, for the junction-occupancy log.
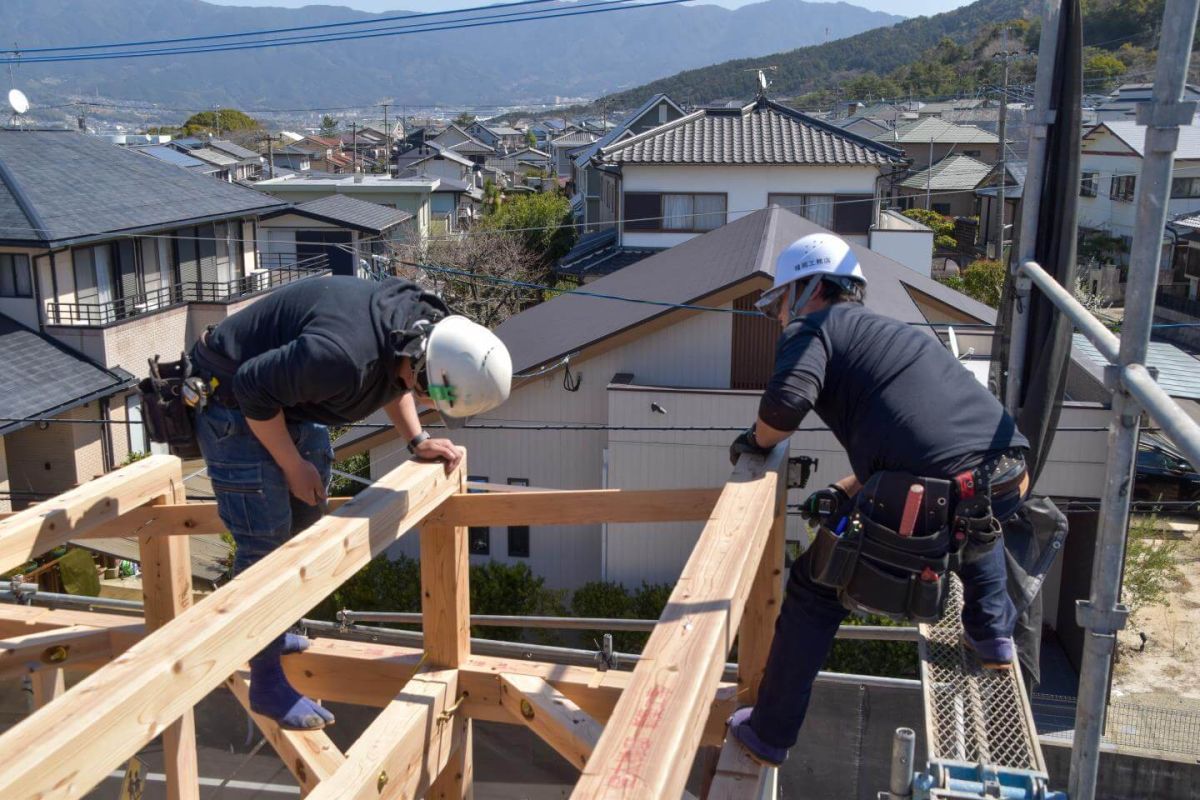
(714, 165)
(501, 138)
(292, 158)
(948, 187)
(178, 158)
(455, 205)
(435, 160)
(115, 256)
(1110, 162)
(325, 154)
(457, 139)
(229, 161)
(863, 126)
(614, 367)
(351, 234)
(413, 195)
(564, 149)
(928, 140)
(1013, 173)
(367, 146)
(1178, 300)
(586, 178)
(519, 164)
(1122, 104)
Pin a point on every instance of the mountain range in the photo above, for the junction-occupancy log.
(528, 62)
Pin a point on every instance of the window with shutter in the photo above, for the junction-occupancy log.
(852, 214)
(643, 211)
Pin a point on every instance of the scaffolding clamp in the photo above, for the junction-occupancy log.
(1099, 621)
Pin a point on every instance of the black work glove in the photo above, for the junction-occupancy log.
(823, 502)
(746, 443)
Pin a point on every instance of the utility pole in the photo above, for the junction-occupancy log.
(271, 154)
(1002, 130)
(387, 134)
(354, 145)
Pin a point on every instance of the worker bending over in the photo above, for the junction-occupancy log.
(937, 465)
(325, 351)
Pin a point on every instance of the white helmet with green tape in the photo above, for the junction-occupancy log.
(467, 369)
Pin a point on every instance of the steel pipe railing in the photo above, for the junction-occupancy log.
(1085, 322)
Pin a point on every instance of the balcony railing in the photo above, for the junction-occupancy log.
(123, 308)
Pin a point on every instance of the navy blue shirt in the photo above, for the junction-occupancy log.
(892, 394)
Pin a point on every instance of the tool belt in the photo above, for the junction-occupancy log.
(882, 560)
(216, 370)
(165, 410)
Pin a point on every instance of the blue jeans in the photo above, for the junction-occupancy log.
(253, 499)
(811, 614)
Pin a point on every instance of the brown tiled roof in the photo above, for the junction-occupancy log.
(763, 132)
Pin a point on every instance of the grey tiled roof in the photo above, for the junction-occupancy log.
(235, 150)
(58, 187)
(352, 212)
(763, 132)
(955, 173)
(43, 377)
(938, 131)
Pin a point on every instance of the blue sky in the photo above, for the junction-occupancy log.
(906, 8)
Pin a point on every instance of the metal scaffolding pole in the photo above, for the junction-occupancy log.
(1102, 615)
(1031, 201)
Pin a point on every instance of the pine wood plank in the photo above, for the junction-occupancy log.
(51, 649)
(54, 522)
(737, 776)
(405, 748)
(559, 722)
(651, 738)
(310, 756)
(762, 606)
(65, 749)
(586, 507)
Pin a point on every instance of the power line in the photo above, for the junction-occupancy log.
(476, 22)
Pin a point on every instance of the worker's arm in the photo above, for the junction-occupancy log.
(404, 416)
(303, 479)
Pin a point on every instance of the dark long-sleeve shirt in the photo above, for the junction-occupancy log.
(893, 395)
(322, 349)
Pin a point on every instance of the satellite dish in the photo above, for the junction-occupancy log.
(18, 101)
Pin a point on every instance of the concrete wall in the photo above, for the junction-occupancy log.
(1126, 774)
(912, 248)
(568, 556)
(746, 189)
(50, 461)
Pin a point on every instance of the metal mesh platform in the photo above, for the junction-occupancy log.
(973, 715)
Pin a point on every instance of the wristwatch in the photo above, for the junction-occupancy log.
(423, 436)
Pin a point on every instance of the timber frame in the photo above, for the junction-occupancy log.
(631, 734)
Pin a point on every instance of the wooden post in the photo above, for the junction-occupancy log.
(48, 684)
(446, 620)
(762, 606)
(124, 705)
(167, 593)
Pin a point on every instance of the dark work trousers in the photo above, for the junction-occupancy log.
(811, 614)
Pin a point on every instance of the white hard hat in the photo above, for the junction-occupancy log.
(467, 369)
(821, 254)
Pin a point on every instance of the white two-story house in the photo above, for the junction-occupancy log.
(715, 165)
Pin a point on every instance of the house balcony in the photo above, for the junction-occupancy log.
(166, 322)
(278, 270)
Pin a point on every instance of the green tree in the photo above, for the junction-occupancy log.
(329, 126)
(464, 119)
(870, 86)
(498, 588)
(982, 280)
(223, 121)
(543, 221)
(613, 601)
(1102, 71)
(530, 138)
(1151, 566)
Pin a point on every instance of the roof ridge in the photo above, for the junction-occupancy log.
(621, 145)
(829, 127)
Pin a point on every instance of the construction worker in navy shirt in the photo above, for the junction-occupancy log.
(937, 466)
(326, 351)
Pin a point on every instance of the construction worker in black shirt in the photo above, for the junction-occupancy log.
(937, 465)
(326, 351)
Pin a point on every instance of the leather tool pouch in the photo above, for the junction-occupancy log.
(876, 570)
(168, 419)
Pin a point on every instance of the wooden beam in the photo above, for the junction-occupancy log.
(19, 620)
(405, 748)
(552, 716)
(167, 593)
(737, 775)
(651, 738)
(310, 756)
(593, 691)
(171, 519)
(587, 507)
(457, 781)
(762, 606)
(48, 684)
(52, 649)
(54, 522)
(68, 747)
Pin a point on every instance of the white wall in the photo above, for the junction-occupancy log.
(1108, 155)
(568, 556)
(746, 189)
(912, 246)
